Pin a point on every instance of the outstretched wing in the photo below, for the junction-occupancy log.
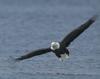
(34, 53)
(75, 33)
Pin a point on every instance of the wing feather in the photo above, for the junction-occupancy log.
(75, 33)
(34, 53)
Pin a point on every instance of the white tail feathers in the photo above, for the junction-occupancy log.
(63, 56)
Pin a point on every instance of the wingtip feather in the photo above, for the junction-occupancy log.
(95, 17)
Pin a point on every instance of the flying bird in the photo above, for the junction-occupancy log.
(60, 48)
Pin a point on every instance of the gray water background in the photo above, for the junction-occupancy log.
(27, 25)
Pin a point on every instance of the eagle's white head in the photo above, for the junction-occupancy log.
(55, 45)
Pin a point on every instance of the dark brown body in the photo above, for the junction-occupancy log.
(60, 51)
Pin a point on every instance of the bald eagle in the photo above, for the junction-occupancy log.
(60, 49)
